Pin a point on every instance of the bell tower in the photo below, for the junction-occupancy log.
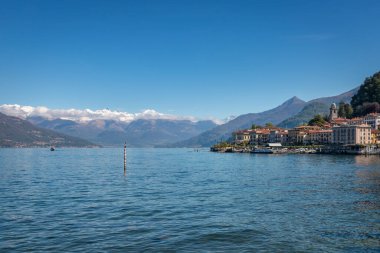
(333, 112)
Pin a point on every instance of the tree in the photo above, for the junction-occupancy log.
(371, 107)
(369, 92)
(348, 110)
(254, 126)
(269, 125)
(342, 110)
(318, 120)
(345, 110)
(326, 118)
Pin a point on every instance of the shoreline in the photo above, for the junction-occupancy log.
(326, 149)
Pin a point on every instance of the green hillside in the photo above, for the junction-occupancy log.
(15, 132)
(305, 115)
(367, 99)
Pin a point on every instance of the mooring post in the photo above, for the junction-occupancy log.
(125, 157)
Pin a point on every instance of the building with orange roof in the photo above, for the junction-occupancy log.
(278, 136)
(375, 136)
(298, 134)
(260, 136)
(242, 136)
(339, 121)
(372, 119)
(318, 136)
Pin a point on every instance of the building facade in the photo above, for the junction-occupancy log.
(297, 135)
(352, 134)
(242, 136)
(318, 137)
(260, 136)
(278, 136)
(372, 119)
(375, 136)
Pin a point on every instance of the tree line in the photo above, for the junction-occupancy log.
(367, 99)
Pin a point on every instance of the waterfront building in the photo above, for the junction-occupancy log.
(260, 136)
(298, 134)
(375, 134)
(278, 136)
(318, 136)
(352, 134)
(242, 136)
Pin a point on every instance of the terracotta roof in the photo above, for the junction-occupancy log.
(340, 120)
(359, 125)
(319, 131)
(242, 132)
(307, 127)
(262, 131)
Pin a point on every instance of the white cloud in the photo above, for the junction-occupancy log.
(87, 114)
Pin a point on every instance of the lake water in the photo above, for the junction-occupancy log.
(176, 200)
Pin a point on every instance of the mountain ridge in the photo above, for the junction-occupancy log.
(185, 132)
(288, 108)
(296, 114)
(16, 132)
(138, 133)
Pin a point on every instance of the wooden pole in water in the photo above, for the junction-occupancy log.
(125, 157)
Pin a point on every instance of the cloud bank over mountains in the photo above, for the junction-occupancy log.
(86, 115)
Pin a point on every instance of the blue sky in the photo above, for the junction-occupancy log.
(200, 58)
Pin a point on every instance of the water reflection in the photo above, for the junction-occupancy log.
(368, 160)
(178, 200)
(368, 182)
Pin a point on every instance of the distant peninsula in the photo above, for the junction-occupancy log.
(16, 132)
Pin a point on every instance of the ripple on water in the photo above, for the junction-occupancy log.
(174, 200)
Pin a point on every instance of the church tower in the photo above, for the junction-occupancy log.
(333, 112)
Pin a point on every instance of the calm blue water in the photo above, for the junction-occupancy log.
(172, 200)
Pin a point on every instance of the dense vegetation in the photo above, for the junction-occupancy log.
(367, 99)
(345, 110)
(267, 125)
(304, 116)
(318, 120)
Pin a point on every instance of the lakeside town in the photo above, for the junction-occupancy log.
(336, 135)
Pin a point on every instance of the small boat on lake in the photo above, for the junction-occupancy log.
(52, 148)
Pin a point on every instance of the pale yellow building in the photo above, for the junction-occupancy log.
(352, 134)
(260, 136)
(278, 136)
(318, 137)
(242, 136)
(375, 136)
(298, 134)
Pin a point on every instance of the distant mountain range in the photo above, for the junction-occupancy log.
(147, 129)
(289, 114)
(275, 116)
(15, 132)
(316, 106)
(138, 133)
